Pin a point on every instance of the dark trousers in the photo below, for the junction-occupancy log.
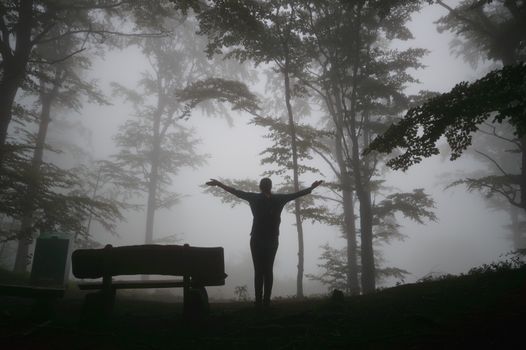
(263, 253)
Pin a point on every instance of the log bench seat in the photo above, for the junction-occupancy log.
(199, 267)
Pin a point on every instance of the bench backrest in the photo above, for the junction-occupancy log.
(206, 264)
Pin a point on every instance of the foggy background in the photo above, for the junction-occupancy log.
(467, 232)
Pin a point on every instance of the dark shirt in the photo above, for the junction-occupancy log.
(267, 210)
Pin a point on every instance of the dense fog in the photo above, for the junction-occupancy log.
(470, 229)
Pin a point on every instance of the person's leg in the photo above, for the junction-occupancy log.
(268, 275)
(257, 257)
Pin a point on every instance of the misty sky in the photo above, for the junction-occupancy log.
(466, 235)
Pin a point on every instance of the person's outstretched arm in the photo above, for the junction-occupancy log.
(292, 196)
(238, 193)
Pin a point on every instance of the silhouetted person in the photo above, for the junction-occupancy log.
(266, 208)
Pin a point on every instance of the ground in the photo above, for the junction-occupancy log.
(484, 310)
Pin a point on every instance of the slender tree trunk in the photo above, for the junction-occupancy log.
(25, 237)
(154, 178)
(523, 172)
(90, 217)
(297, 204)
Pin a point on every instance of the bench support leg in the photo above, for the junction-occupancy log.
(98, 306)
(196, 304)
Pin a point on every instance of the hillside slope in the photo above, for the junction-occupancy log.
(483, 309)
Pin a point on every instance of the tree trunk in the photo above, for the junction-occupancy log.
(8, 90)
(517, 228)
(25, 236)
(297, 204)
(361, 185)
(523, 172)
(353, 286)
(154, 178)
(359, 170)
(14, 70)
(363, 191)
(361, 178)
(366, 230)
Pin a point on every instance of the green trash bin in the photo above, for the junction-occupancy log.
(51, 260)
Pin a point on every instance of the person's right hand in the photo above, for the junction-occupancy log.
(213, 182)
(316, 184)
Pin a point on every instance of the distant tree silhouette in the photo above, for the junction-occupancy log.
(359, 81)
(57, 86)
(487, 29)
(24, 25)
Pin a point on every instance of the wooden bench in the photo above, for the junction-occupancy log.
(199, 267)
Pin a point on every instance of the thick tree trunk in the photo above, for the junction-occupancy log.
(14, 70)
(363, 192)
(366, 230)
(25, 236)
(8, 90)
(352, 248)
(517, 228)
(297, 204)
(353, 159)
(353, 286)
(366, 209)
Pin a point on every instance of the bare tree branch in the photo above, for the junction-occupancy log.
(494, 133)
(58, 60)
(327, 160)
(494, 162)
(103, 33)
(98, 7)
(339, 201)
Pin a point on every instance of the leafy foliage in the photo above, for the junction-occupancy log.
(412, 205)
(280, 152)
(335, 269)
(334, 266)
(154, 145)
(505, 185)
(498, 96)
(221, 90)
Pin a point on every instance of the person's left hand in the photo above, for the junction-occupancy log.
(213, 182)
(316, 184)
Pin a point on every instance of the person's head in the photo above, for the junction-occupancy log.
(265, 185)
